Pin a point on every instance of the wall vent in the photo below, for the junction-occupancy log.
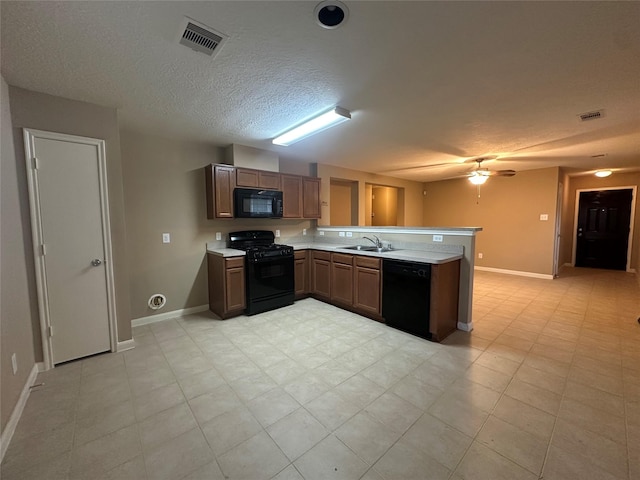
(591, 115)
(201, 38)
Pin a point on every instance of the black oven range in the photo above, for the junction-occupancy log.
(269, 269)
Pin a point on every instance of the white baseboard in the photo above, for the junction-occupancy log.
(136, 322)
(515, 272)
(465, 327)
(125, 345)
(10, 428)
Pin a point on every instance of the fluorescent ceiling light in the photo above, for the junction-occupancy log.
(603, 173)
(478, 178)
(322, 122)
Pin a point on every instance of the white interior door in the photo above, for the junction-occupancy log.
(68, 194)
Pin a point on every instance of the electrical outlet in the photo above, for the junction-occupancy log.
(14, 363)
(166, 238)
(544, 217)
(480, 255)
(218, 235)
(277, 233)
(341, 234)
(321, 233)
(304, 231)
(437, 238)
(349, 234)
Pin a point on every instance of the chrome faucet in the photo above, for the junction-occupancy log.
(376, 242)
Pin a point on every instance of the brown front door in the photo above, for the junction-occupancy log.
(603, 229)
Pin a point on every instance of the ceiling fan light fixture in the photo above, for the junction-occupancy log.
(478, 178)
(603, 173)
(317, 124)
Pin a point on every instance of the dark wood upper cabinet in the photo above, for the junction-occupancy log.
(301, 195)
(311, 197)
(291, 196)
(246, 177)
(220, 182)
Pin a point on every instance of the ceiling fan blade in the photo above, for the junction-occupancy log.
(504, 173)
(420, 167)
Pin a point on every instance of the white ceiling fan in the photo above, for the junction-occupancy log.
(480, 175)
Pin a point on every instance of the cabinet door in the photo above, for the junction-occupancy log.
(291, 196)
(321, 277)
(269, 180)
(311, 197)
(247, 178)
(367, 290)
(235, 293)
(301, 274)
(223, 184)
(342, 283)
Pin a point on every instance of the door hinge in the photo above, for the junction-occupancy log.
(50, 331)
(35, 163)
(43, 249)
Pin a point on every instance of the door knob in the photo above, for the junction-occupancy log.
(96, 262)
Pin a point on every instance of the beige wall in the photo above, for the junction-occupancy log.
(164, 187)
(18, 306)
(409, 206)
(591, 182)
(46, 112)
(340, 205)
(513, 237)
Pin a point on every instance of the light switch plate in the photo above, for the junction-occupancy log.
(341, 234)
(218, 235)
(166, 238)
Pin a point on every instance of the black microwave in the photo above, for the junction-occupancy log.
(256, 203)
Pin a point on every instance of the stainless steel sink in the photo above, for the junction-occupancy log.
(367, 248)
(364, 248)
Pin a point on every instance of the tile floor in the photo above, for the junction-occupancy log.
(548, 384)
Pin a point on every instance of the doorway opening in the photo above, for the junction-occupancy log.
(604, 228)
(384, 206)
(344, 202)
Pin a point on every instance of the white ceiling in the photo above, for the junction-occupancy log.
(427, 82)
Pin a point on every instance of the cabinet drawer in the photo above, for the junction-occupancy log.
(368, 262)
(342, 258)
(234, 262)
(322, 255)
(300, 254)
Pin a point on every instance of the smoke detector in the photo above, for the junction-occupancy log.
(200, 37)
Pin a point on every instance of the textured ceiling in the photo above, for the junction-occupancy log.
(428, 83)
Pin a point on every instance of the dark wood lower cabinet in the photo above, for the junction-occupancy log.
(342, 279)
(367, 281)
(301, 262)
(321, 275)
(443, 310)
(226, 285)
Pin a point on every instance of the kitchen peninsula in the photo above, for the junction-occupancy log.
(324, 255)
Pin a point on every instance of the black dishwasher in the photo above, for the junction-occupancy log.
(406, 292)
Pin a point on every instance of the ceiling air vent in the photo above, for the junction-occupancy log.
(591, 115)
(201, 38)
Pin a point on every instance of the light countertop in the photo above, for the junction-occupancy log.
(408, 255)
